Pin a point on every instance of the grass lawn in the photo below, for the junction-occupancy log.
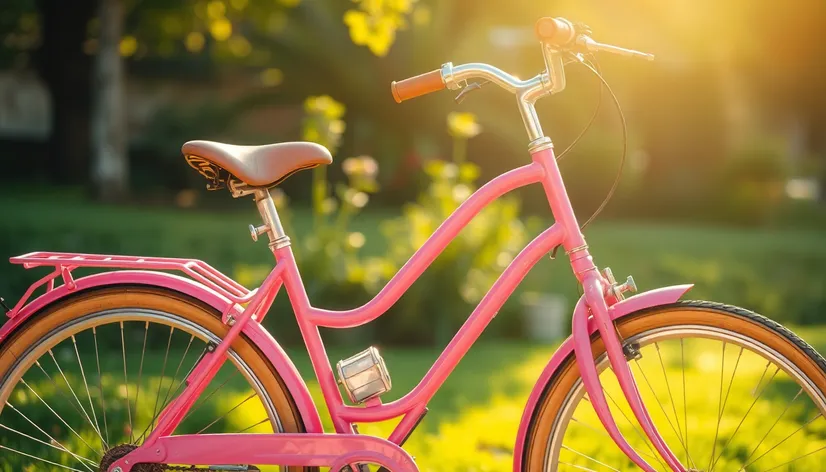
(776, 272)
(474, 417)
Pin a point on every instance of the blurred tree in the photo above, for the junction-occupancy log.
(110, 172)
(67, 71)
(238, 32)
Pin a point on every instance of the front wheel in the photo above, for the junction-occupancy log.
(729, 390)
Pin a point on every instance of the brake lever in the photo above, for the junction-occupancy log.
(469, 88)
(589, 44)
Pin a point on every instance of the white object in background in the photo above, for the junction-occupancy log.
(546, 316)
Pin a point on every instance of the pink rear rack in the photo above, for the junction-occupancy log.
(64, 263)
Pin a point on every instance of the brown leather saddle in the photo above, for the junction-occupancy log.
(256, 166)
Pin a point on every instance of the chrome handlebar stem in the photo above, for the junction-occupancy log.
(527, 91)
(548, 82)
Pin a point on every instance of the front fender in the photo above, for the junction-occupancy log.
(253, 330)
(660, 296)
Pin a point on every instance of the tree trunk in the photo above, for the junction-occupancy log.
(110, 171)
(67, 72)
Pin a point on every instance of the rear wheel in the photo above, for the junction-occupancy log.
(84, 381)
(728, 390)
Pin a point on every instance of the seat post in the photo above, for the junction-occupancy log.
(272, 224)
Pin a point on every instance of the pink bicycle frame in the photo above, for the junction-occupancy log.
(347, 447)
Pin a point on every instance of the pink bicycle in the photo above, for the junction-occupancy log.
(137, 369)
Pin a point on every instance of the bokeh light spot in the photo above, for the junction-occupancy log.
(128, 46)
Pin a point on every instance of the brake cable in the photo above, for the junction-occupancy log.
(587, 127)
(595, 69)
(624, 146)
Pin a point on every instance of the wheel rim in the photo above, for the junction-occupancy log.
(733, 434)
(64, 400)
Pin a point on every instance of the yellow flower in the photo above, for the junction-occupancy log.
(325, 106)
(194, 41)
(356, 240)
(220, 29)
(375, 23)
(128, 46)
(216, 9)
(463, 125)
(362, 166)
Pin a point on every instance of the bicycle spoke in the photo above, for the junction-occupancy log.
(605, 433)
(57, 388)
(671, 398)
(801, 428)
(177, 389)
(797, 459)
(662, 408)
(788, 405)
(88, 395)
(58, 417)
(140, 369)
(635, 428)
(203, 400)
(126, 384)
(177, 371)
(55, 441)
(163, 373)
(227, 413)
(100, 385)
(577, 466)
(719, 408)
(589, 458)
(736, 430)
(49, 444)
(760, 382)
(250, 427)
(38, 458)
(72, 391)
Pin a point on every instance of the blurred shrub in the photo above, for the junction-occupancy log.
(751, 187)
(330, 252)
(440, 301)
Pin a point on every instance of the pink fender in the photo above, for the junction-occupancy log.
(657, 297)
(256, 333)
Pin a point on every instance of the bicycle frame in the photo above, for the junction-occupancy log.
(595, 312)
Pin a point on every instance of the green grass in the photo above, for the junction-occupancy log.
(777, 272)
(474, 417)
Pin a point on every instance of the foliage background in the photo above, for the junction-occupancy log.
(722, 181)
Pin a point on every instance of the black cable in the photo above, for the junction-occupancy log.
(596, 109)
(588, 63)
(624, 146)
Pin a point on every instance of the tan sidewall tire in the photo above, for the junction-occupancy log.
(150, 298)
(688, 313)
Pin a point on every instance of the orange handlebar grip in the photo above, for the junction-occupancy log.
(417, 86)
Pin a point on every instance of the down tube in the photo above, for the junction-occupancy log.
(467, 335)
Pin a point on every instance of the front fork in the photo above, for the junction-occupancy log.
(594, 308)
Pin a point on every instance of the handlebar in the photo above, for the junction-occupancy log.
(557, 36)
(559, 39)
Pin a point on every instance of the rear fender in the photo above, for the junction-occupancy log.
(658, 297)
(253, 330)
